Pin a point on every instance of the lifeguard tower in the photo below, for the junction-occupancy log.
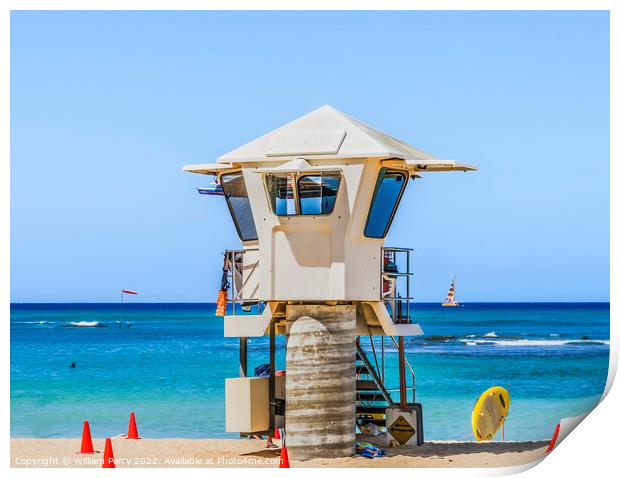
(312, 202)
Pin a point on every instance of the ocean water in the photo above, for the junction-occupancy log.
(168, 362)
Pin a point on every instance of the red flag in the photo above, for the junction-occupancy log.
(127, 291)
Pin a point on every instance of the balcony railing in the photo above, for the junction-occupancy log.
(396, 283)
(241, 276)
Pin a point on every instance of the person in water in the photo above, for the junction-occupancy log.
(72, 364)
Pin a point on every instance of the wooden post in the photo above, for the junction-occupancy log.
(243, 356)
(401, 373)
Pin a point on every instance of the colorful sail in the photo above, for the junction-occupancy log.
(450, 296)
(450, 299)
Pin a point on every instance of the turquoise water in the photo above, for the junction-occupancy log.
(169, 367)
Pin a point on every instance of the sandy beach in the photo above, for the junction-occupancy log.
(180, 452)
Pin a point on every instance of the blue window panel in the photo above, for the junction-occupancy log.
(317, 193)
(236, 195)
(281, 193)
(389, 188)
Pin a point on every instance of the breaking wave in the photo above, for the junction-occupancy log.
(85, 323)
(532, 343)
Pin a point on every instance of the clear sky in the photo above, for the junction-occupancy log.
(107, 107)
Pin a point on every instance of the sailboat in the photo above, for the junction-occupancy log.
(450, 301)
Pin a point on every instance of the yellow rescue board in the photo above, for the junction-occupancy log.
(489, 413)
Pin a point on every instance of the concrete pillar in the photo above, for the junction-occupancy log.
(320, 381)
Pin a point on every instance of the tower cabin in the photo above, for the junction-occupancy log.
(312, 203)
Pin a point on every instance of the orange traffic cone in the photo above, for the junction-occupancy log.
(284, 459)
(108, 455)
(87, 441)
(132, 431)
(276, 433)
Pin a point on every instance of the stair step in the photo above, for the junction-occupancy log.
(366, 394)
(364, 405)
(376, 421)
(380, 405)
(371, 409)
(371, 401)
(366, 385)
(362, 408)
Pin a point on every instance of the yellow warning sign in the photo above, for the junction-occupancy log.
(401, 430)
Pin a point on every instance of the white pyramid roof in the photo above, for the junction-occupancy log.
(327, 133)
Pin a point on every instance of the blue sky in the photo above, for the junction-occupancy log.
(106, 107)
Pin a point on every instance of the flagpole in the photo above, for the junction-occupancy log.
(121, 313)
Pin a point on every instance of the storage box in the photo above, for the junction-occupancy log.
(247, 404)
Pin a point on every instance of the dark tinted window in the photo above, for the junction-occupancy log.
(388, 190)
(236, 195)
(317, 193)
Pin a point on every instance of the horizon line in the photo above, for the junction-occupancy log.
(421, 302)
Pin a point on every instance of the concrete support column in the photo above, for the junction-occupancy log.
(320, 381)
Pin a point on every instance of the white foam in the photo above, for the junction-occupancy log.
(534, 343)
(490, 334)
(84, 323)
(530, 343)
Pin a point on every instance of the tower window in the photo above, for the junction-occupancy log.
(292, 194)
(388, 191)
(317, 192)
(236, 195)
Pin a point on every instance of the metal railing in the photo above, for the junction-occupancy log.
(395, 286)
(238, 279)
(395, 282)
(410, 368)
(379, 375)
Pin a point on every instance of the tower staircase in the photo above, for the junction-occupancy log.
(371, 396)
